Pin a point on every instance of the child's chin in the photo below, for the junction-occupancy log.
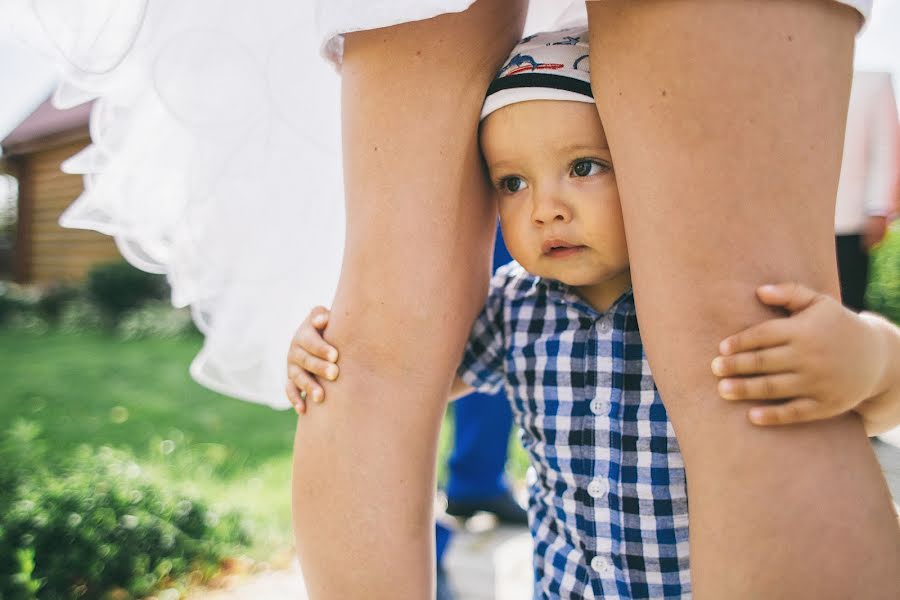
(572, 276)
(575, 282)
(582, 279)
(569, 277)
(572, 281)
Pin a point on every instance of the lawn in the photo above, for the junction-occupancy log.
(96, 389)
(99, 390)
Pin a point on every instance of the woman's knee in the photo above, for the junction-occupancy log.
(410, 319)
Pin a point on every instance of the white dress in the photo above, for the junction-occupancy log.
(215, 154)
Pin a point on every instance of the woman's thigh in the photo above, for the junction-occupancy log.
(420, 219)
(725, 121)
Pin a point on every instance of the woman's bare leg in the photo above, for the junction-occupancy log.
(725, 120)
(416, 266)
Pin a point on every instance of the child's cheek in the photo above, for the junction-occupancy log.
(515, 235)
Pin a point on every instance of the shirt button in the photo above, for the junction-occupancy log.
(598, 488)
(601, 565)
(598, 406)
(604, 325)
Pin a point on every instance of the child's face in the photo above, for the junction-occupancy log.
(559, 204)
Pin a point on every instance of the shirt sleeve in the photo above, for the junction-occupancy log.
(482, 365)
(884, 168)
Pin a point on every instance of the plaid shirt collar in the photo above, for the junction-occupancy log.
(560, 293)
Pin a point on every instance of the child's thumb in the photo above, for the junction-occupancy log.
(791, 296)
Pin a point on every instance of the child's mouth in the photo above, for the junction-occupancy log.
(560, 249)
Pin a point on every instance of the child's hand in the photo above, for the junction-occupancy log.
(310, 357)
(822, 360)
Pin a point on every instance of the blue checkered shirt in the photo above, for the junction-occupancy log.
(607, 494)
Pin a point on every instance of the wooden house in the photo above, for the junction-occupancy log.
(43, 251)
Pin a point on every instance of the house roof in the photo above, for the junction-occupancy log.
(46, 123)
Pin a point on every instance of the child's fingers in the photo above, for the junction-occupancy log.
(294, 397)
(311, 341)
(791, 296)
(774, 332)
(767, 387)
(307, 385)
(318, 316)
(799, 410)
(768, 360)
(312, 364)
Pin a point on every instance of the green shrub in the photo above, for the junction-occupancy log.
(97, 523)
(156, 319)
(883, 293)
(118, 287)
(8, 306)
(16, 302)
(82, 315)
(53, 299)
(30, 322)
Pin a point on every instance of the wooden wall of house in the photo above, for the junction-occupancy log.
(56, 253)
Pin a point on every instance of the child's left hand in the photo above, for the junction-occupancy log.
(822, 360)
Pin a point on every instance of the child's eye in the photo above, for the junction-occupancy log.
(511, 185)
(585, 167)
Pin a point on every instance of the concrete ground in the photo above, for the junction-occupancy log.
(483, 563)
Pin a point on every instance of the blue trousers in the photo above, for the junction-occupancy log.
(480, 439)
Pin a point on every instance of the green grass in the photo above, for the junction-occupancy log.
(96, 389)
(99, 390)
(128, 393)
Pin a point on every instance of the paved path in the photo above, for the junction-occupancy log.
(273, 585)
(888, 453)
(490, 565)
(484, 562)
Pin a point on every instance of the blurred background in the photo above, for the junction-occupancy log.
(122, 477)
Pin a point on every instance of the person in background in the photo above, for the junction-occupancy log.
(870, 180)
(476, 467)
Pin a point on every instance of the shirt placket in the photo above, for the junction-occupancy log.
(601, 565)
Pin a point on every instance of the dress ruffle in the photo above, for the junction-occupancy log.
(215, 159)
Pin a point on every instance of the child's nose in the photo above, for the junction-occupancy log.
(548, 208)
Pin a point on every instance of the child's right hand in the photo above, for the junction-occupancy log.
(309, 358)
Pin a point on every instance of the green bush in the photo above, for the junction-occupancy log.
(53, 299)
(80, 315)
(883, 293)
(30, 322)
(118, 287)
(156, 319)
(115, 296)
(98, 523)
(16, 302)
